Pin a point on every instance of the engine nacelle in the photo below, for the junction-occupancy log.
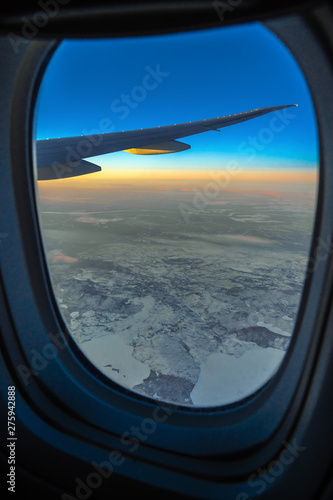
(160, 148)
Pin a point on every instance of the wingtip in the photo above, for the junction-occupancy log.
(290, 106)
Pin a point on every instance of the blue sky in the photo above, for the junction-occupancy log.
(109, 85)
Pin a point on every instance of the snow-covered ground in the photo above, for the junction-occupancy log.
(225, 379)
(114, 358)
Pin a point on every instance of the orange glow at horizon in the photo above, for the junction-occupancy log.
(268, 181)
(148, 176)
(151, 175)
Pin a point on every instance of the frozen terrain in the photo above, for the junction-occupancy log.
(197, 312)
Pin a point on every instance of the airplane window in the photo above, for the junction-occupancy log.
(177, 184)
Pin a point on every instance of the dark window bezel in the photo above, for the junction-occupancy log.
(68, 388)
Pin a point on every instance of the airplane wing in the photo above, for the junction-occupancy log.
(63, 157)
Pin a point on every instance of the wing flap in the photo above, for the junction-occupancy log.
(63, 170)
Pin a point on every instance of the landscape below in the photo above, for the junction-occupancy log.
(184, 303)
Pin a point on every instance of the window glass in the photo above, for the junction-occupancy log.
(179, 266)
